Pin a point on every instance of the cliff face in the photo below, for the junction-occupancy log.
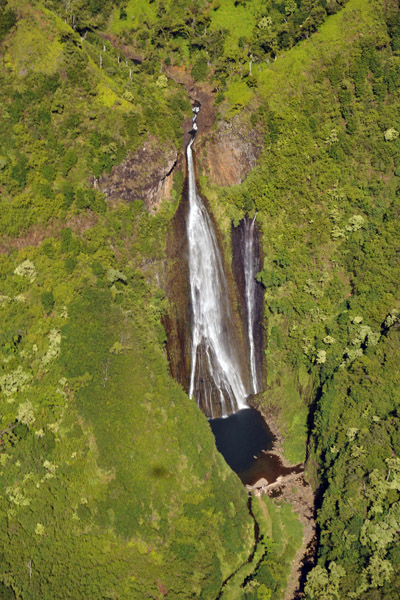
(238, 235)
(177, 321)
(145, 175)
(230, 152)
(226, 152)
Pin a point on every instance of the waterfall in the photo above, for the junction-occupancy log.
(216, 380)
(250, 272)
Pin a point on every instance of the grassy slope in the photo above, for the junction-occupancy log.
(319, 171)
(109, 479)
(326, 194)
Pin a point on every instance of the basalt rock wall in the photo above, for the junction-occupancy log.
(178, 321)
(146, 175)
(230, 151)
(238, 235)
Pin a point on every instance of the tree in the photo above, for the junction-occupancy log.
(8, 18)
(290, 7)
(323, 584)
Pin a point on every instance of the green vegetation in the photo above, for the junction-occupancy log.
(222, 36)
(106, 466)
(326, 192)
(326, 198)
(110, 482)
(8, 19)
(356, 435)
(285, 534)
(66, 121)
(109, 476)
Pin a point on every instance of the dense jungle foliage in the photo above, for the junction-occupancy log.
(326, 192)
(110, 482)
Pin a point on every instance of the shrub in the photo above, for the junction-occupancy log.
(70, 159)
(70, 264)
(199, 69)
(19, 172)
(47, 300)
(8, 18)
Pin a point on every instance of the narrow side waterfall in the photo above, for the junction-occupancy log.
(250, 272)
(216, 379)
(246, 263)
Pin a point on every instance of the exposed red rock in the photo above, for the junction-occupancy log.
(229, 154)
(145, 175)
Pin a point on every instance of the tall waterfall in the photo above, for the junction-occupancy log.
(250, 272)
(216, 378)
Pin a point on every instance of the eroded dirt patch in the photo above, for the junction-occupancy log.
(38, 233)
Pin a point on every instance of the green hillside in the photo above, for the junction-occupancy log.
(111, 485)
(326, 194)
(110, 482)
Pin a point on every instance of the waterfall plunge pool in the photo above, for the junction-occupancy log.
(245, 441)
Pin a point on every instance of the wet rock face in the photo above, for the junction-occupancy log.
(145, 175)
(230, 153)
(238, 259)
(177, 321)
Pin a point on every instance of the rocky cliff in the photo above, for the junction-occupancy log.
(145, 175)
(230, 151)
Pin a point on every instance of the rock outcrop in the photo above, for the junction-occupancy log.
(229, 154)
(145, 175)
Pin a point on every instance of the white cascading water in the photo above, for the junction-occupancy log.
(250, 287)
(215, 367)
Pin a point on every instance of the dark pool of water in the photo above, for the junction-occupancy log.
(244, 440)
